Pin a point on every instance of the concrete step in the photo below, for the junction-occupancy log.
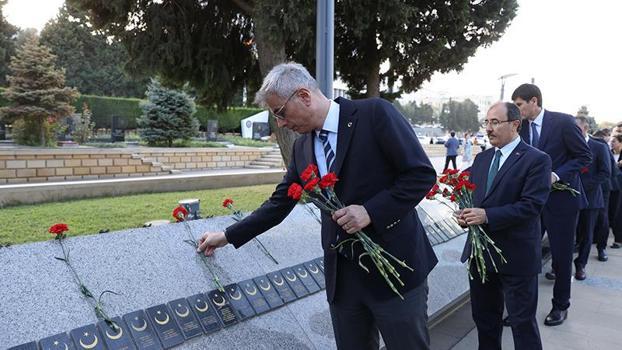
(174, 171)
(265, 162)
(273, 156)
(251, 166)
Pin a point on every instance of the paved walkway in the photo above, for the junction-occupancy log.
(594, 319)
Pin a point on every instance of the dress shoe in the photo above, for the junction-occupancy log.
(616, 245)
(506, 321)
(555, 317)
(602, 255)
(550, 275)
(579, 275)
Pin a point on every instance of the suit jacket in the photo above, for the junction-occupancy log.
(513, 204)
(561, 139)
(382, 166)
(597, 174)
(613, 183)
(452, 146)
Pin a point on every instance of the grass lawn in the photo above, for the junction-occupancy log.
(30, 223)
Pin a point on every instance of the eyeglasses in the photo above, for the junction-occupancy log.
(494, 122)
(279, 114)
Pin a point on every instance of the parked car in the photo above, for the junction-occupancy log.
(440, 140)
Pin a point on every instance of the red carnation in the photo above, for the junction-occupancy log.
(584, 170)
(227, 202)
(309, 173)
(312, 184)
(430, 195)
(58, 229)
(443, 179)
(470, 186)
(180, 213)
(464, 175)
(294, 191)
(328, 180)
(435, 188)
(446, 193)
(452, 198)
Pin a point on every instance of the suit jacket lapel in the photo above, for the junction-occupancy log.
(347, 124)
(482, 177)
(516, 154)
(545, 130)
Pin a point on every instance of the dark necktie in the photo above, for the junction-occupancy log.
(494, 169)
(535, 138)
(328, 151)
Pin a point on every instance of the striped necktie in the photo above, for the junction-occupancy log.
(328, 151)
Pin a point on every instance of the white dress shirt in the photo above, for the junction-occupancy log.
(506, 151)
(331, 124)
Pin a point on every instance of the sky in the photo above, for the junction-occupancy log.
(571, 48)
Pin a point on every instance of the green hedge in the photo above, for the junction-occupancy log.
(104, 108)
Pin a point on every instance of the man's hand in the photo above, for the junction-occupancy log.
(474, 216)
(210, 241)
(352, 218)
(460, 218)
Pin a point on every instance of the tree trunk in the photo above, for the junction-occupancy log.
(271, 51)
(42, 127)
(373, 80)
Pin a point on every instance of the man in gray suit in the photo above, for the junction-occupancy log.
(452, 146)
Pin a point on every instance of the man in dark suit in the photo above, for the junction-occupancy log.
(383, 174)
(557, 135)
(609, 187)
(512, 185)
(592, 177)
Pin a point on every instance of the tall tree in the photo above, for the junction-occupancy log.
(167, 116)
(93, 63)
(220, 46)
(7, 44)
(460, 116)
(417, 114)
(36, 94)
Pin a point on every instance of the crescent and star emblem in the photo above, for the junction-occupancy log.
(201, 308)
(182, 314)
(266, 288)
(91, 345)
(219, 304)
(276, 280)
(115, 336)
(139, 328)
(313, 269)
(236, 295)
(161, 322)
(288, 278)
(302, 274)
(252, 291)
(56, 345)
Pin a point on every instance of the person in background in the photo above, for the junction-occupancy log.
(452, 146)
(615, 201)
(467, 157)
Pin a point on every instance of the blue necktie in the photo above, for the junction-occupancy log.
(535, 138)
(494, 169)
(328, 151)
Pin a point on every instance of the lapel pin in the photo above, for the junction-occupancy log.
(349, 124)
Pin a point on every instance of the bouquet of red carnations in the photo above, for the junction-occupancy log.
(455, 186)
(321, 192)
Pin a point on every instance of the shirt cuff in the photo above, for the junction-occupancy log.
(556, 177)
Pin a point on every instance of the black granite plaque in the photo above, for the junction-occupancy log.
(142, 331)
(277, 280)
(57, 342)
(269, 293)
(205, 313)
(431, 235)
(316, 273)
(239, 302)
(116, 339)
(306, 278)
(87, 338)
(320, 263)
(165, 326)
(220, 301)
(189, 324)
(28, 346)
(254, 296)
(294, 282)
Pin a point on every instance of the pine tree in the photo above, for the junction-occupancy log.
(83, 127)
(37, 96)
(7, 43)
(167, 116)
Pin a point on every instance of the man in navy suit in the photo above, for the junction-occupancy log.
(557, 135)
(592, 177)
(512, 186)
(452, 145)
(384, 173)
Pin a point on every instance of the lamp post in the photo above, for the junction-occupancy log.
(324, 46)
(502, 78)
